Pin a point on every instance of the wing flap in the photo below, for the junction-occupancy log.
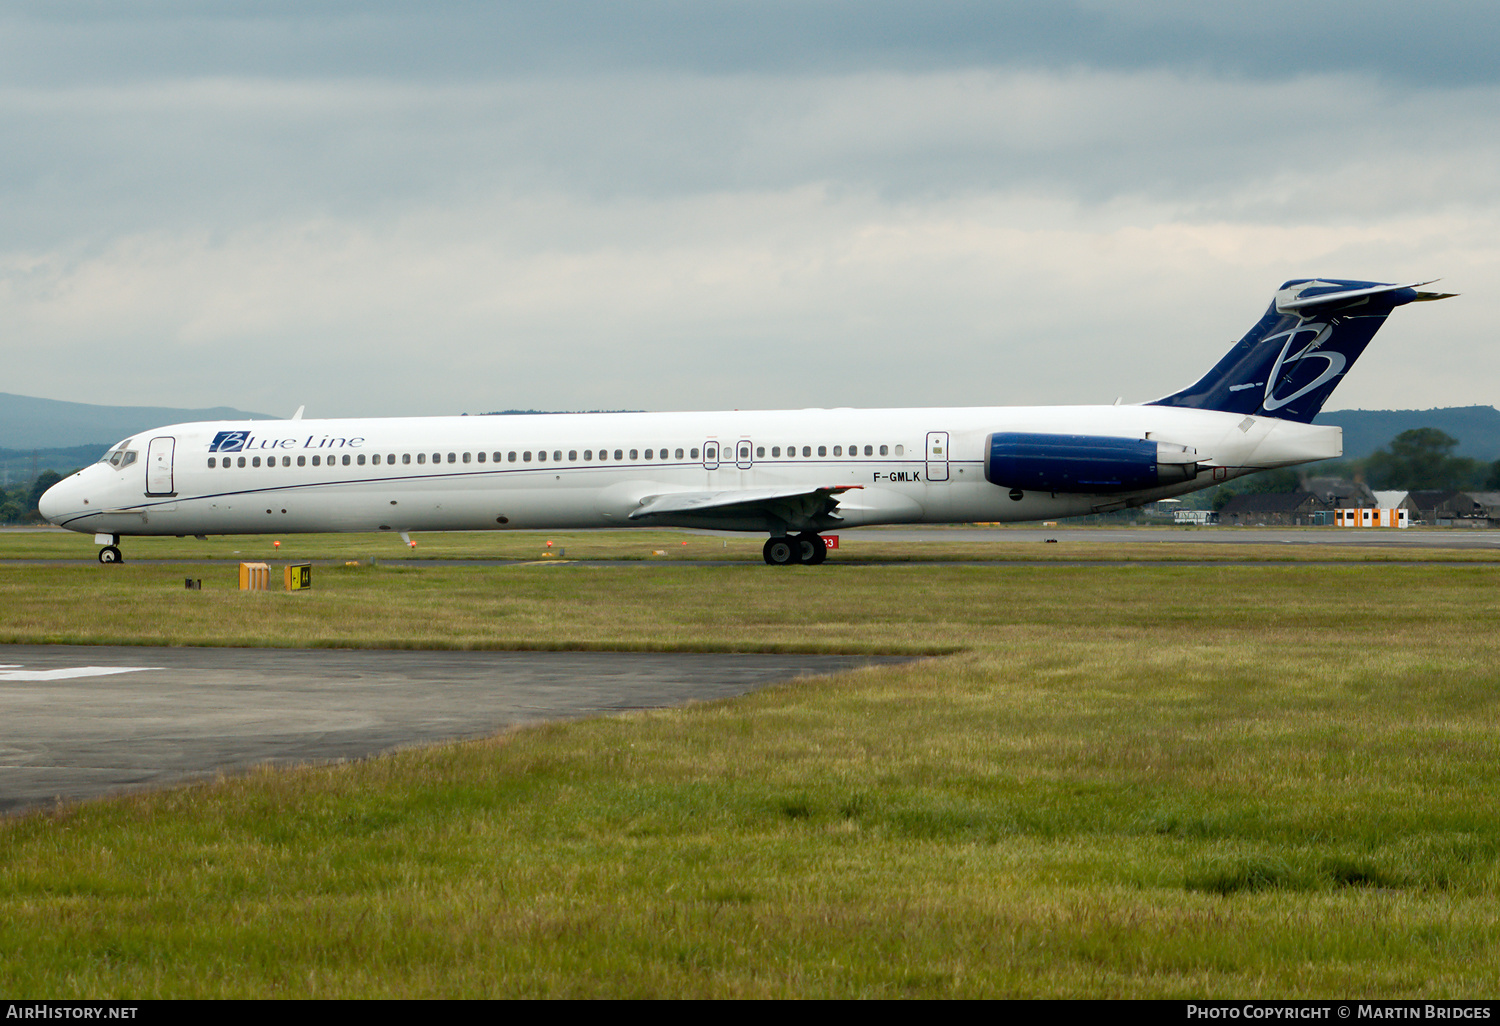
(791, 504)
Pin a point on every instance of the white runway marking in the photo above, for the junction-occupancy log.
(16, 672)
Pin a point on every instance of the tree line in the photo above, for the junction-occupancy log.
(1421, 459)
(18, 502)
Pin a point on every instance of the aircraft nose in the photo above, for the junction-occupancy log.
(55, 501)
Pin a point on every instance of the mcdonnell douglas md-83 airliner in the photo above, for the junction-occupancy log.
(790, 474)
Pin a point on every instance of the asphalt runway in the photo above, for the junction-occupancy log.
(1412, 537)
(80, 722)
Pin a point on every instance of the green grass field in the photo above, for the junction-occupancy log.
(1151, 781)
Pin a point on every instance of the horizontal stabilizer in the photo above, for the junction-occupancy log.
(1325, 296)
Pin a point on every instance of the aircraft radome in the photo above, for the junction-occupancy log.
(789, 474)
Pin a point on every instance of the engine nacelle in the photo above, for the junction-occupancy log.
(1085, 463)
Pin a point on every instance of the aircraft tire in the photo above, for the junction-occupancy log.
(780, 551)
(110, 554)
(811, 549)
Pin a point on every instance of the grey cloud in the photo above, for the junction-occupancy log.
(84, 164)
(432, 207)
(60, 42)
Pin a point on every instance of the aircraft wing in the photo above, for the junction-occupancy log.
(794, 505)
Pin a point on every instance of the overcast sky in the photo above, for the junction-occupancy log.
(445, 207)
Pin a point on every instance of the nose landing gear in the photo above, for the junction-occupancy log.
(807, 548)
(111, 551)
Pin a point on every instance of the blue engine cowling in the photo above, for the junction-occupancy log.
(1085, 463)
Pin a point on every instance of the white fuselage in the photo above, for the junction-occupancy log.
(520, 472)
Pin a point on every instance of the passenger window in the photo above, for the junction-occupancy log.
(360, 461)
(588, 455)
(541, 456)
(791, 451)
(693, 453)
(375, 459)
(242, 461)
(900, 450)
(511, 456)
(635, 454)
(466, 458)
(390, 458)
(776, 451)
(604, 454)
(807, 450)
(869, 450)
(406, 457)
(838, 450)
(619, 454)
(437, 457)
(315, 460)
(421, 458)
(557, 456)
(346, 459)
(212, 463)
(760, 451)
(453, 457)
(678, 454)
(885, 450)
(572, 455)
(822, 450)
(526, 456)
(479, 456)
(301, 461)
(650, 453)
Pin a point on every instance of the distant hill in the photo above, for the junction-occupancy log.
(18, 466)
(1477, 428)
(27, 423)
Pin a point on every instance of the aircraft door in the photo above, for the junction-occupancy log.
(744, 459)
(711, 455)
(937, 455)
(159, 465)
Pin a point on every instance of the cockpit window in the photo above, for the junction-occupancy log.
(119, 455)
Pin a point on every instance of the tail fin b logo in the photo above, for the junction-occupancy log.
(1336, 362)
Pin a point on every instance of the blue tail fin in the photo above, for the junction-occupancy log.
(1291, 361)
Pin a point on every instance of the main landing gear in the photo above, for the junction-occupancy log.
(807, 548)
